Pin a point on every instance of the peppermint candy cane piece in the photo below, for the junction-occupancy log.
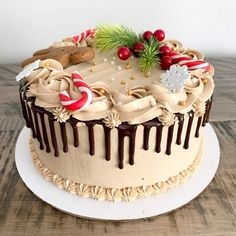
(189, 62)
(81, 103)
(79, 38)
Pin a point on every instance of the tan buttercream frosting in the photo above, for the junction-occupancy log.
(113, 194)
(127, 92)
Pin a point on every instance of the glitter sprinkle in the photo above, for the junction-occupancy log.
(105, 59)
(132, 77)
(119, 68)
(128, 65)
(102, 91)
(112, 62)
(92, 69)
(95, 63)
(204, 81)
(182, 103)
(122, 82)
(46, 64)
(114, 58)
(112, 79)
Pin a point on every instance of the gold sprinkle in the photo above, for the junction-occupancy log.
(130, 93)
(122, 82)
(92, 69)
(95, 63)
(102, 91)
(147, 74)
(128, 65)
(182, 103)
(132, 77)
(204, 81)
(46, 64)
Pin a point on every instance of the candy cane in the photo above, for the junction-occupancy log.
(79, 38)
(86, 93)
(189, 62)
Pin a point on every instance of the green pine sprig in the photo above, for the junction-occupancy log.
(114, 36)
(149, 56)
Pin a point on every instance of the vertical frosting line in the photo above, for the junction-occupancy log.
(180, 128)
(107, 133)
(187, 137)
(23, 106)
(123, 131)
(91, 138)
(199, 121)
(169, 139)
(132, 137)
(64, 137)
(146, 132)
(158, 137)
(120, 148)
(45, 136)
(38, 134)
(31, 121)
(53, 136)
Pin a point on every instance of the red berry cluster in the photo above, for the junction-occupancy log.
(166, 61)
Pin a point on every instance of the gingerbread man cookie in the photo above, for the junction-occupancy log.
(65, 55)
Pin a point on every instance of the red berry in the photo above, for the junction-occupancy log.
(124, 53)
(159, 35)
(166, 62)
(147, 35)
(138, 47)
(164, 50)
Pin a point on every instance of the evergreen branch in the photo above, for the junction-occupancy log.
(149, 57)
(114, 36)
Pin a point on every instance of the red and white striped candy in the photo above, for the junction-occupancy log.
(79, 38)
(188, 61)
(81, 103)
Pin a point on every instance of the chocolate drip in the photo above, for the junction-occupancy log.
(31, 123)
(23, 106)
(207, 112)
(169, 139)
(158, 138)
(90, 126)
(38, 134)
(76, 136)
(73, 122)
(53, 136)
(186, 141)
(146, 133)
(199, 121)
(45, 136)
(64, 137)
(107, 132)
(180, 128)
(123, 131)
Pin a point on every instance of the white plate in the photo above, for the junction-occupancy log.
(140, 208)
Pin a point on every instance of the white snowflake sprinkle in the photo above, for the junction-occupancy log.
(27, 70)
(105, 59)
(112, 62)
(174, 78)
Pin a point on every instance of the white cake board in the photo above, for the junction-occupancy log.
(140, 208)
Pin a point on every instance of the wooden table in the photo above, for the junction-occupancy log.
(213, 212)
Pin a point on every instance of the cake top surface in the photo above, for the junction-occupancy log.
(115, 74)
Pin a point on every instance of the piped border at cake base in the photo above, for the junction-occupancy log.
(114, 194)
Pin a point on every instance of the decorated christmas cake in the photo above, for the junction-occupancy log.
(114, 114)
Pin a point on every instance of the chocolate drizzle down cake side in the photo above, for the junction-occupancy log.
(115, 115)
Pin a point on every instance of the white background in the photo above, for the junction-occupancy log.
(28, 25)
